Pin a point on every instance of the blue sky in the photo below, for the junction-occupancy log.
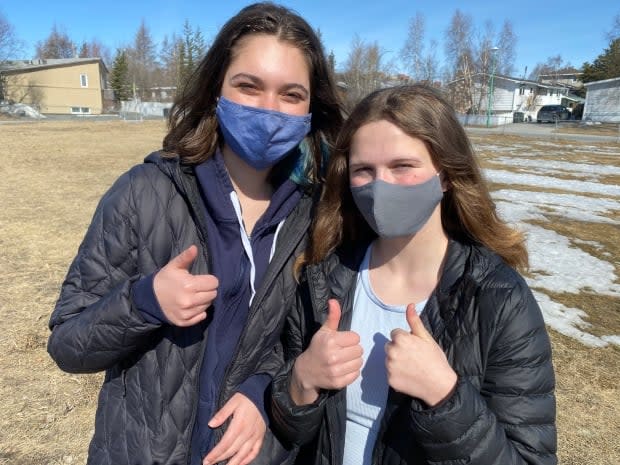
(573, 29)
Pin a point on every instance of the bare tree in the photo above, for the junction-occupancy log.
(553, 68)
(9, 44)
(484, 53)
(419, 61)
(472, 56)
(94, 49)
(412, 52)
(56, 45)
(430, 64)
(169, 60)
(506, 42)
(459, 53)
(484, 49)
(142, 62)
(365, 70)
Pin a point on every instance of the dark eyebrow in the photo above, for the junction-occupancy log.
(258, 81)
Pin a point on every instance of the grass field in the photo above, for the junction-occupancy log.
(53, 174)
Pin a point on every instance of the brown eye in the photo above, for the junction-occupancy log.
(293, 97)
(246, 86)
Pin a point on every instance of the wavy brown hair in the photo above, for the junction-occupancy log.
(468, 213)
(192, 125)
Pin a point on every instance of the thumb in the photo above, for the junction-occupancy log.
(415, 323)
(185, 259)
(333, 315)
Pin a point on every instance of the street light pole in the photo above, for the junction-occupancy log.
(491, 83)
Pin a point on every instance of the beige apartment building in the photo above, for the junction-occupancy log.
(57, 86)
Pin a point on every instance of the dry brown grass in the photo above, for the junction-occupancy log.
(581, 127)
(53, 175)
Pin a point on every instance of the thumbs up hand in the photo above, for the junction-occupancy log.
(416, 365)
(332, 361)
(183, 297)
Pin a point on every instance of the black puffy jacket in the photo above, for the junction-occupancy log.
(486, 320)
(148, 400)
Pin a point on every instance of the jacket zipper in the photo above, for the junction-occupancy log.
(281, 258)
(347, 302)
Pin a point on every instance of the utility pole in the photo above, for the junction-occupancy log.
(493, 52)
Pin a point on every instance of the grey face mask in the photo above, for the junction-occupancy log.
(394, 210)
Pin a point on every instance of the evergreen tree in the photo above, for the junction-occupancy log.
(191, 49)
(331, 61)
(605, 66)
(84, 51)
(119, 77)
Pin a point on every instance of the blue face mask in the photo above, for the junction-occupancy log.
(260, 137)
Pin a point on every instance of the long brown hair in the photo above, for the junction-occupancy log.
(193, 129)
(468, 213)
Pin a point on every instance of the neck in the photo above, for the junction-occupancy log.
(422, 253)
(247, 181)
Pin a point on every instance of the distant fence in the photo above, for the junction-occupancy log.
(483, 120)
(136, 109)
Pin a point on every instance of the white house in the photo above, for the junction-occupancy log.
(603, 101)
(509, 96)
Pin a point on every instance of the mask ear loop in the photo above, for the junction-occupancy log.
(445, 184)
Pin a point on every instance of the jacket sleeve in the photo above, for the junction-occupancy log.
(510, 419)
(257, 386)
(94, 324)
(296, 424)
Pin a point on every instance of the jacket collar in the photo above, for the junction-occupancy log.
(184, 178)
(336, 278)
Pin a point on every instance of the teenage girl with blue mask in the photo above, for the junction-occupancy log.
(415, 339)
(180, 287)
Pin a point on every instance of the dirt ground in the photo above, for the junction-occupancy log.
(53, 174)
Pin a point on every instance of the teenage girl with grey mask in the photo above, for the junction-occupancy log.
(417, 341)
(180, 288)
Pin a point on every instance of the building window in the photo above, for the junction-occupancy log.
(83, 80)
(521, 90)
(80, 110)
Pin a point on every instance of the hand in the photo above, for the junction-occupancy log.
(244, 436)
(183, 297)
(416, 365)
(332, 361)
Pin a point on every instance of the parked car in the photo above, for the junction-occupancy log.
(552, 113)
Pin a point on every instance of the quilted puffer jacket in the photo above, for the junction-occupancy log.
(148, 400)
(486, 320)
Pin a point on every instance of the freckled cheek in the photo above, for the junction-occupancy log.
(415, 178)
